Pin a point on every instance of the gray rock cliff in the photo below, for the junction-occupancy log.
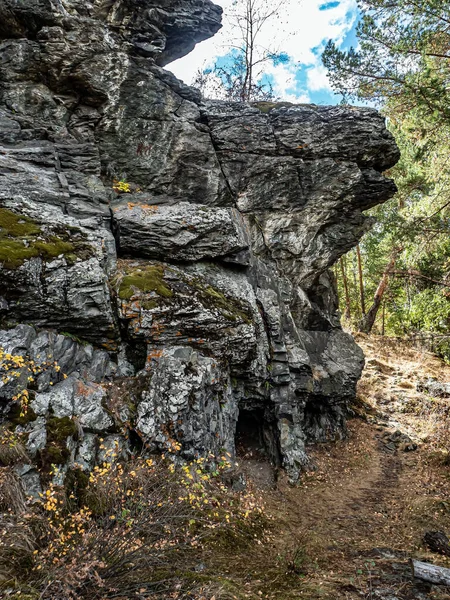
(170, 256)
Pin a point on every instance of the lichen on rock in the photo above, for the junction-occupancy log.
(196, 297)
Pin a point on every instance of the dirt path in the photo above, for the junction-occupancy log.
(348, 530)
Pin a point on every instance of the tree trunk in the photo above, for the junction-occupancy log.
(347, 313)
(251, 50)
(361, 282)
(336, 284)
(367, 322)
(430, 573)
(247, 57)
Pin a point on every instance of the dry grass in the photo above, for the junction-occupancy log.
(129, 530)
(12, 496)
(395, 394)
(347, 531)
(12, 451)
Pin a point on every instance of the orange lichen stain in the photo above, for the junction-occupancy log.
(157, 329)
(110, 346)
(82, 389)
(178, 333)
(150, 207)
(154, 354)
(131, 310)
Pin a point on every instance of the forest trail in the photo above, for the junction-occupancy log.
(348, 530)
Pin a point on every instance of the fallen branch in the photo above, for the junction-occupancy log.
(430, 573)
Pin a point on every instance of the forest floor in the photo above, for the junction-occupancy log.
(349, 528)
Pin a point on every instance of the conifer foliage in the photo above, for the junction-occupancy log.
(402, 64)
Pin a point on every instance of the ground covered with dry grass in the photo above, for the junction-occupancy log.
(346, 531)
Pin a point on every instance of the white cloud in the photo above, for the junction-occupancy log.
(301, 31)
(317, 79)
(284, 83)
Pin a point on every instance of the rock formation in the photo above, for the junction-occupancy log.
(164, 261)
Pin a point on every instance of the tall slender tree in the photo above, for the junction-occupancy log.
(240, 75)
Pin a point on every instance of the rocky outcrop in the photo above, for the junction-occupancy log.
(170, 256)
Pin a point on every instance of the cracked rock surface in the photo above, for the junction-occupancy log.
(170, 255)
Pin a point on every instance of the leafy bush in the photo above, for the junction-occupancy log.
(138, 527)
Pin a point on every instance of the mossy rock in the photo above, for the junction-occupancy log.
(53, 455)
(17, 225)
(149, 304)
(21, 239)
(138, 281)
(56, 451)
(60, 428)
(17, 418)
(230, 308)
(145, 279)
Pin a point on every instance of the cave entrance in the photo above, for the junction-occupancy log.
(136, 442)
(256, 436)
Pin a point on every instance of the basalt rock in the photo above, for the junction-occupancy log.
(164, 261)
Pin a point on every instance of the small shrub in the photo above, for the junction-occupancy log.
(130, 528)
(121, 187)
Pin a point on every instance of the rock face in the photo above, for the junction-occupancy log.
(168, 256)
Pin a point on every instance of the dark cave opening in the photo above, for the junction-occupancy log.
(136, 442)
(257, 436)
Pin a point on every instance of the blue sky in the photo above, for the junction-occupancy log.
(301, 31)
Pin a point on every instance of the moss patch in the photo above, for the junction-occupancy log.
(17, 225)
(149, 304)
(56, 451)
(59, 429)
(145, 279)
(137, 281)
(15, 416)
(230, 308)
(21, 238)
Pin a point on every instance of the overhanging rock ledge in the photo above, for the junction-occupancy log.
(170, 255)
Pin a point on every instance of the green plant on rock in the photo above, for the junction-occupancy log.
(20, 372)
(121, 186)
